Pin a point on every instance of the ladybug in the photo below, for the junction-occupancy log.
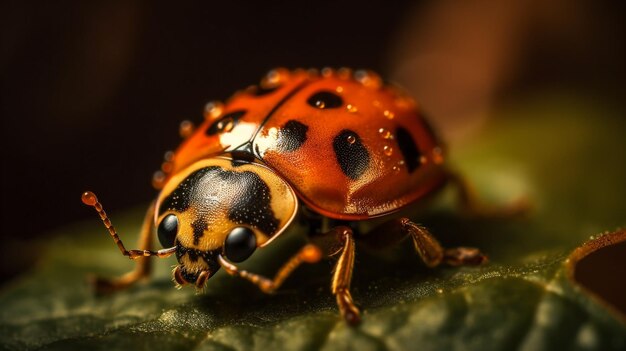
(337, 149)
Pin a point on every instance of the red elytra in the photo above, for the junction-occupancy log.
(365, 152)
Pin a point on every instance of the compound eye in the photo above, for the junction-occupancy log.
(240, 244)
(167, 230)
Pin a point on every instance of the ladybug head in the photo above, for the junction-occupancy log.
(220, 210)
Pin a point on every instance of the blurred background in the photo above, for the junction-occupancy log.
(93, 92)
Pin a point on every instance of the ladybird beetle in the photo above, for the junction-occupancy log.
(335, 147)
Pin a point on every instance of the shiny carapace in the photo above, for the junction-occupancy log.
(335, 147)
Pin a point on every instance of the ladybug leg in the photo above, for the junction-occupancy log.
(143, 265)
(342, 275)
(429, 249)
(470, 204)
(433, 254)
(307, 254)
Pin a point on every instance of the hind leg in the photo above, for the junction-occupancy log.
(429, 249)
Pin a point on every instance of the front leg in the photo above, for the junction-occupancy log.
(337, 241)
(308, 254)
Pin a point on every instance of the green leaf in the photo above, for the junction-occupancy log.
(566, 155)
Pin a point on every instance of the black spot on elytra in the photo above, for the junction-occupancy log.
(292, 135)
(325, 99)
(351, 154)
(219, 125)
(260, 91)
(198, 226)
(409, 149)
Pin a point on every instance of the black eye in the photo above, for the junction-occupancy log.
(325, 99)
(167, 230)
(226, 123)
(240, 244)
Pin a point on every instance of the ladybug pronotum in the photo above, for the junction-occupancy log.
(332, 147)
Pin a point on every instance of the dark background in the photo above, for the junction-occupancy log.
(93, 91)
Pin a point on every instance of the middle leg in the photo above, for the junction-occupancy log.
(340, 241)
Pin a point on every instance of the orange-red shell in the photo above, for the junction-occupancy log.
(373, 112)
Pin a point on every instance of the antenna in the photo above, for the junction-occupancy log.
(90, 199)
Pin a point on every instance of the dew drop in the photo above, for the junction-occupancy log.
(213, 109)
(423, 159)
(385, 133)
(325, 99)
(368, 78)
(225, 125)
(439, 291)
(351, 108)
(388, 150)
(158, 179)
(327, 72)
(167, 166)
(404, 102)
(274, 78)
(389, 114)
(437, 155)
(186, 129)
(313, 72)
(351, 139)
(339, 89)
(344, 73)
(169, 155)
